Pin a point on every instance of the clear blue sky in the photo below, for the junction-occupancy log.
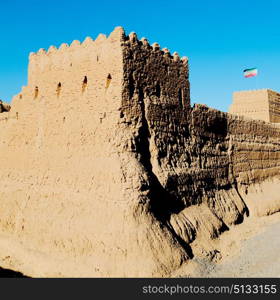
(221, 38)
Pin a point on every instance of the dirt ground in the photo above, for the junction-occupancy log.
(250, 249)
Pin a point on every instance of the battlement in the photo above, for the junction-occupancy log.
(64, 48)
(78, 53)
(55, 65)
(116, 34)
(132, 39)
(154, 74)
(99, 69)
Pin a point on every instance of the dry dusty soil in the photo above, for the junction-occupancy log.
(251, 249)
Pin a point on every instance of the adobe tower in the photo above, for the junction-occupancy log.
(257, 104)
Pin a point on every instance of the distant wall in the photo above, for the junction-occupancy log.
(257, 104)
(251, 104)
(208, 150)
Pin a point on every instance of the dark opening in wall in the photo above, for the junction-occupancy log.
(142, 142)
(20, 96)
(180, 97)
(84, 84)
(36, 92)
(158, 90)
(108, 81)
(58, 89)
(131, 87)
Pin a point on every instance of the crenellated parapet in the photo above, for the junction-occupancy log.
(118, 67)
(68, 66)
(132, 39)
(65, 51)
(162, 77)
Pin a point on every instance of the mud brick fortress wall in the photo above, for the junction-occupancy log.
(107, 170)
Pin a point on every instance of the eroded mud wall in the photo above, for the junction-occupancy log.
(207, 169)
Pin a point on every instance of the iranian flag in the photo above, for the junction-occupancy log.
(250, 72)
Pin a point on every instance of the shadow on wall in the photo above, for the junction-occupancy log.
(6, 273)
